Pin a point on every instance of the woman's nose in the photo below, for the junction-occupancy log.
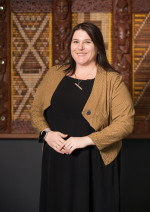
(81, 46)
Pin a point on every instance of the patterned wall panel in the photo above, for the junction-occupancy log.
(31, 58)
(31, 52)
(46, 5)
(141, 72)
(31, 6)
(139, 6)
(77, 5)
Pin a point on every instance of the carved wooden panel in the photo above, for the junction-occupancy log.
(122, 39)
(4, 67)
(140, 6)
(77, 5)
(91, 6)
(31, 5)
(46, 5)
(61, 30)
(84, 10)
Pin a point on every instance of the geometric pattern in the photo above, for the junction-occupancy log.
(102, 20)
(31, 58)
(76, 5)
(141, 65)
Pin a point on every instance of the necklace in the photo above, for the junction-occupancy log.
(78, 84)
(79, 81)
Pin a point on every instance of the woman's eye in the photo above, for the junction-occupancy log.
(87, 42)
(75, 41)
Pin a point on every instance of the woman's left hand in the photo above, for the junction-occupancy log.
(73, 143)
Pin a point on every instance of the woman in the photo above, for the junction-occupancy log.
(82, 112)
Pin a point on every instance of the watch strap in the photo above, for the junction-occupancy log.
(43, 135)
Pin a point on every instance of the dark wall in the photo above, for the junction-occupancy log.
(20, 164)
(135, 176)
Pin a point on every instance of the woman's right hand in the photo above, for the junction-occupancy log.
(55, 139)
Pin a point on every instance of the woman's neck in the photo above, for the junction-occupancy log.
(86, 72)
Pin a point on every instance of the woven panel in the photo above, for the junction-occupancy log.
(141, 70)
(31, 51)
(102, 20)
(31, 58)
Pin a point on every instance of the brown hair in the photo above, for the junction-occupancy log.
(96, 36)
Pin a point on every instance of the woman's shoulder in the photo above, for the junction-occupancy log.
(55, 70)
(58, 68)
(110, 74)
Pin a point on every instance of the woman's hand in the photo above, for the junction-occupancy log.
(55, 139)
(73, 143)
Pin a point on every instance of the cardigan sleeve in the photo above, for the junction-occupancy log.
(121, 116)
(36, 113)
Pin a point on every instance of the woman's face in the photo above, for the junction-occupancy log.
(83, 49)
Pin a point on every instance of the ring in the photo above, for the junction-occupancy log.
(70, 147)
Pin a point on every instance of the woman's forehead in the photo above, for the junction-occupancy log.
(80, 34)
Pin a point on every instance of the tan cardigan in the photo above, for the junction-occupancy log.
(110, 105)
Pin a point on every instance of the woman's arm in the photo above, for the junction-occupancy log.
(36, 114)
(122, 116)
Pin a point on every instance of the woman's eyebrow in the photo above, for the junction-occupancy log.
(84, 39)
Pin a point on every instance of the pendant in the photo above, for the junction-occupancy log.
(78, 86)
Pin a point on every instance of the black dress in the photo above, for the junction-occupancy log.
(79, 182)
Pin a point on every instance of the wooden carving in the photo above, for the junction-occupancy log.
(91, 6)
(139, 6)
(46, 5)
(61, 30)
(122, 38)
(4, 67)
(31, 6)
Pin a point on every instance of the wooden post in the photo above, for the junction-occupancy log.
(5, 117)
(61, 30)
(122, 37)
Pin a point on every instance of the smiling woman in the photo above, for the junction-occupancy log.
(82, 111)
(83, 51)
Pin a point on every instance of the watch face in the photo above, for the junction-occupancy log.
(43, 134)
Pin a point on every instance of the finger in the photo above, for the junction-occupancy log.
(60, 144)
(58, 147)
(71, 150)
(63, 135)
(66, 149)
(57, 150)
(61, 151)
(61, 140)
(63, 145)
(68, 145)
